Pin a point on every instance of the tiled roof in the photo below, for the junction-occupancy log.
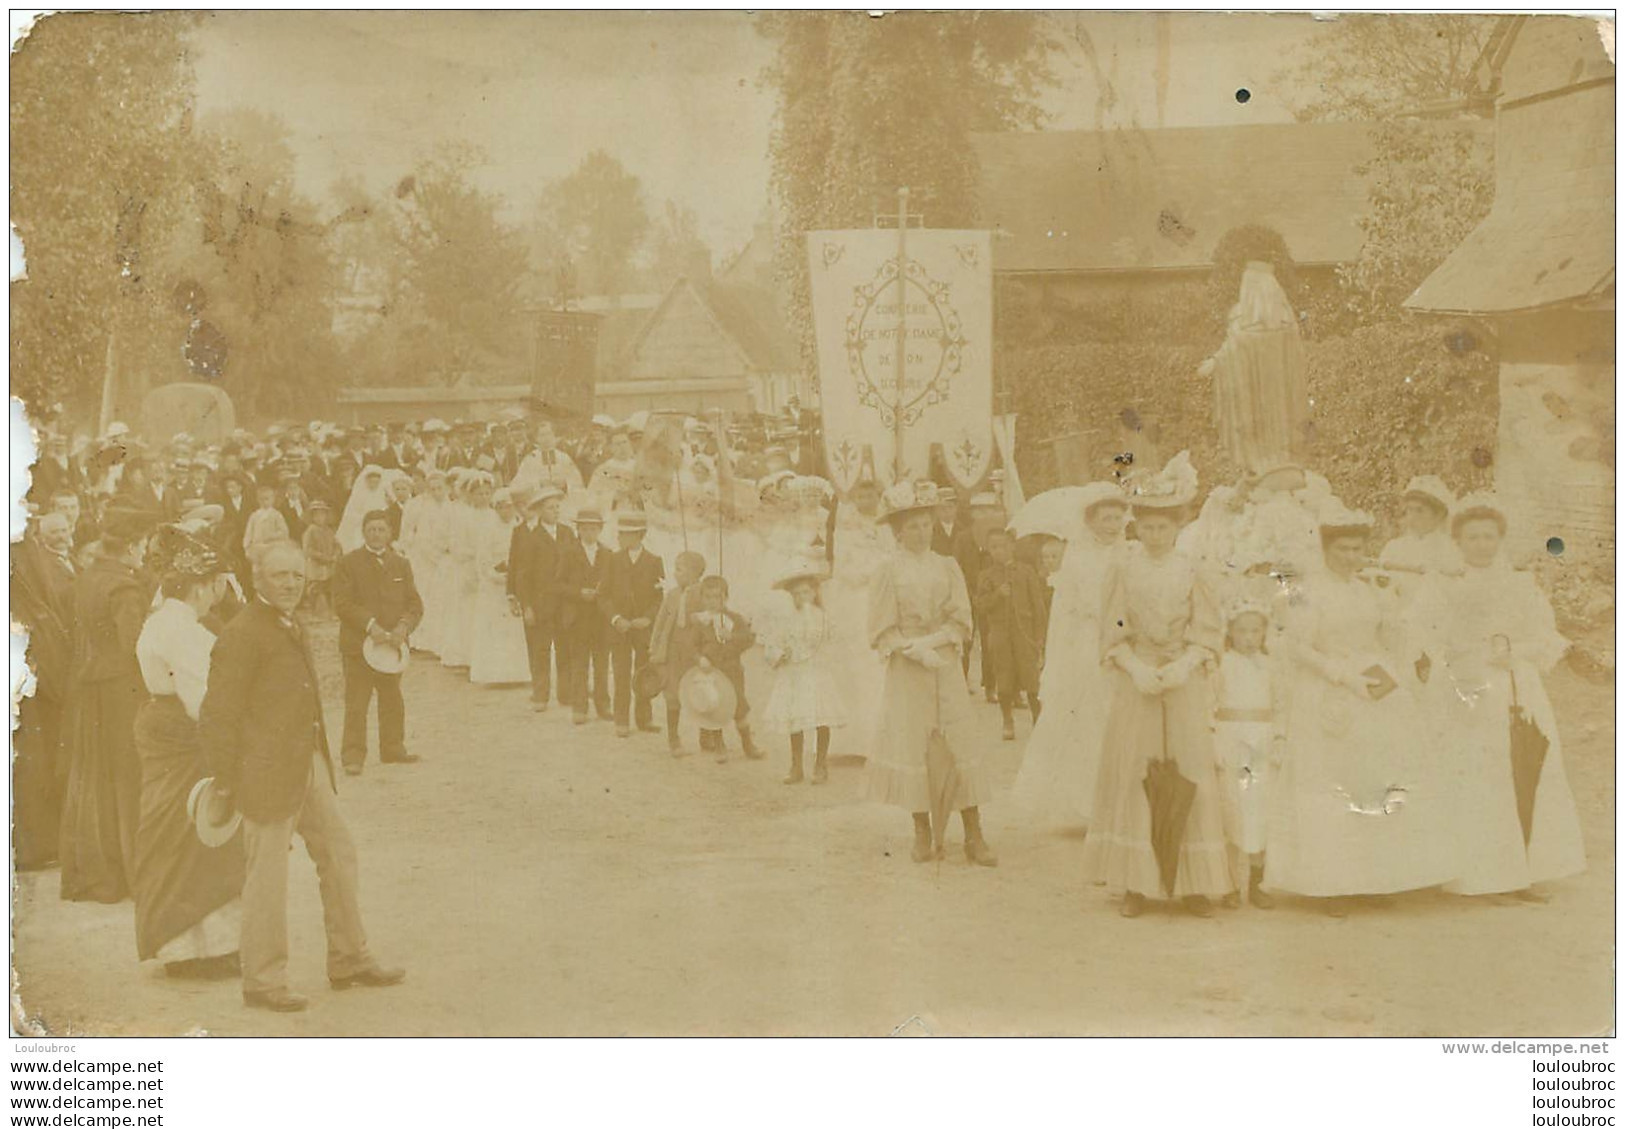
(1549, 238)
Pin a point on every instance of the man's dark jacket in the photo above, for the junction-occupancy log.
(261, 718)
(368, 587)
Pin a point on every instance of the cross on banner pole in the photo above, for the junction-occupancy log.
(902, 334)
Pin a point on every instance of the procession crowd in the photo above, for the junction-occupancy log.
(1239, 699)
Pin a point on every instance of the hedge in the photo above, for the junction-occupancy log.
(1389, 401)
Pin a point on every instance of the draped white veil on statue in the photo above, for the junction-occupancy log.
(369, 493)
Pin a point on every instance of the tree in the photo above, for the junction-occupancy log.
(1430, 181)
(1380, 66)
(592, 223)
(102, 155)
(868, 105)
(458, 309)
(259, 273)
(1429, 187)
(675, 247)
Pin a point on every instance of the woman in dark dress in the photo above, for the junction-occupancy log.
(186, 893)
(103, 795)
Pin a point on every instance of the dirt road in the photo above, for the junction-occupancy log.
(536, 878)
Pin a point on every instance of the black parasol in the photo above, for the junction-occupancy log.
(1528, 748)
(1170, 795)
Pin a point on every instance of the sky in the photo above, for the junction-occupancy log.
(675, 96)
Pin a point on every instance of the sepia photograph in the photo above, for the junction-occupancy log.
(812, 523)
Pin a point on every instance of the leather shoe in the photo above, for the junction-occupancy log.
(352, 769)
(276, 999)
(375, 977)
(404, 758)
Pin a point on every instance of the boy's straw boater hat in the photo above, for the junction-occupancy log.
(649, 682)
(630, 521)
(707, 696)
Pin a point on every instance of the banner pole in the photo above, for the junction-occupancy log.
(902, 332)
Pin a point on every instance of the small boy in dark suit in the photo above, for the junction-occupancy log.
(1010, 601)
(583, 563)
(630, 598)
(716, 638)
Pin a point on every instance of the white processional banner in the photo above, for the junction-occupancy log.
(947, 326)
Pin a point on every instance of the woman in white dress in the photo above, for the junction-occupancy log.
(187, 895)
(926, 757)
(422, 540)
(863, 541)
(497, 651)
(1425, 547)
(1359, 806)
(1062, 758)
(466, 520)
(1490, 637)
(368, 494)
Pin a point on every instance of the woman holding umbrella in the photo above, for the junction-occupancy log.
(1357, 808)
(924, 757)
(1489, 636)
(1158, 823)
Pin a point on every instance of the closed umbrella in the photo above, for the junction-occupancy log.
(1169, 794)
(1528, 750)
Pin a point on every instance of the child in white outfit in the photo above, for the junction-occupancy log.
(1248, 738)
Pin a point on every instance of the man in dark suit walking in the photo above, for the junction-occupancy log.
(263, 737)
(374, 598)
(535, 552)
(630, 598)
(581, 618)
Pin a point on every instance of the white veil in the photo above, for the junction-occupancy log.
(363, 500)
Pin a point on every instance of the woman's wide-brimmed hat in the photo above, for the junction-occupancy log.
(708, 697)
(1431, 488)
(1097, 494)
(199, 804)
(1475, 506)
(385, 658)
(794, 574)
(904, 498)
(1335, 516)
(1171, 488)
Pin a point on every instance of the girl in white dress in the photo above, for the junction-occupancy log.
(462, 575)
(1249, 732)
(1360, 806)
(1489, 636)
(805, 696)
(423, 542)
(1062, 758)
(497, 651)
